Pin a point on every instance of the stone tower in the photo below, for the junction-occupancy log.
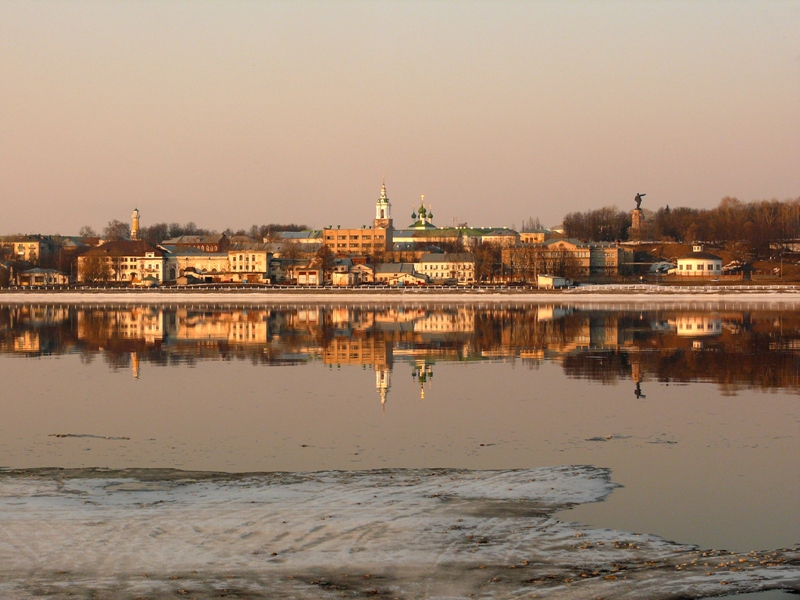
(135, 224)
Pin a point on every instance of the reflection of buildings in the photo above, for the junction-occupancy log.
(374, 352)
(140, 323)
(27, 341)
(357, 351)
(460, 320)
(697, 324)
(740, 347)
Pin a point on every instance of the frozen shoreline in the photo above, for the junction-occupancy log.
(390, 533)
(636, 295)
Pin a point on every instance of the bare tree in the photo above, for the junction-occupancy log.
(325, 256)
(291, 249)
(531, 224)
(117, 230)
(87, 231)
(156, 233)
(94, 268)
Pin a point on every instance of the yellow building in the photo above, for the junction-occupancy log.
(123, 260)
(374, 241)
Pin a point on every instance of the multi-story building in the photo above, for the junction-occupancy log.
(126, 261)
(423, 233)
(534, 236)
(307, 237)
(609, 259)
(251, 259)
(373, 241)
(499, 236)
(442, 267)
(216, 242)
(181, 260)
(567, 257)
(30, 248)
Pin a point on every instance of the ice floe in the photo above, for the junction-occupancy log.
(389, 533)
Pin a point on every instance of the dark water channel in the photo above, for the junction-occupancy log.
(694, 407)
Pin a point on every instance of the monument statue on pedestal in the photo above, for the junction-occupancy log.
(637, 218)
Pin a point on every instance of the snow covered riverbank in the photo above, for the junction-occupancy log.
(639, 294)
(389, 533)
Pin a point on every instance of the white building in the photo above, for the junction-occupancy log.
(185, 259)
(249, 261)
(698, 263)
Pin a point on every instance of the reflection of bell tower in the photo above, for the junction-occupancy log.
(383, 211)
(383, 382)
(135, 224)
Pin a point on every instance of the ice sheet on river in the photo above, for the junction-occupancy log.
(388, 533)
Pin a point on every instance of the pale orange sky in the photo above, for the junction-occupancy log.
(234, 113)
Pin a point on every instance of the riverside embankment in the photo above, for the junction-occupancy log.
(639, 293)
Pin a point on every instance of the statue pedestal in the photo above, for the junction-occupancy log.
(637, 219)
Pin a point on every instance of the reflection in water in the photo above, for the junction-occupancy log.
(734, 348)
(516, 386)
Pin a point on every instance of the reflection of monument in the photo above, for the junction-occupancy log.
(636, 374)
(637, 218)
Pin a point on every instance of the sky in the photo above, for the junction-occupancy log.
(237, 113)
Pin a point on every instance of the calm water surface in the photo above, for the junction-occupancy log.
(694, 407)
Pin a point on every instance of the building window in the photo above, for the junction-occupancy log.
(700, 267)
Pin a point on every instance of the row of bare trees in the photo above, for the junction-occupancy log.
(528, 262)
(158, 232)
(759, 225)
(606, 224)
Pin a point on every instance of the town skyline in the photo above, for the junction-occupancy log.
(221, 114)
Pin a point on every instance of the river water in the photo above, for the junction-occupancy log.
(695, 408)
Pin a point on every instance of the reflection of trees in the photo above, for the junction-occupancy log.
(746, 362)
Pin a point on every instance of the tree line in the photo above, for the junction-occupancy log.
(759, 226)
(155, 234)
(755, 228)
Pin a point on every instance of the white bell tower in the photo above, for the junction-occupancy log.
(383, 210)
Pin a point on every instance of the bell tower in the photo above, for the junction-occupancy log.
(383, 211)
